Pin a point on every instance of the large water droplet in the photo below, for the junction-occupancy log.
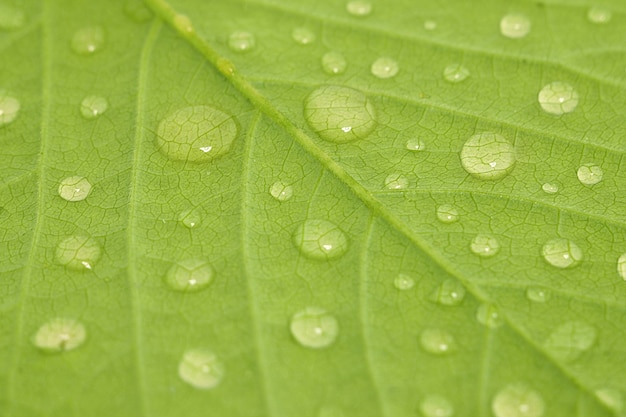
(515, 25)
(447, 213)
(589, 174)
(517, 400)
(396, 181)
(197, 134)
(415, 145)
(183, 23)
(404, 282)
(190, 218)
(489, 315)
(281, 191)
(11, 18)
(88, 40)
(303, 36)
(60, 334)
(385, 67)
(558, 98)
(320, 239)
(78, 252)
(487, 156)
(455, 73)
(537, 294)
(314, 328)
(359, 8)
(334, 63)
(189, 275)
(570, 340)
(485, 245)
(201, 369)
(621, 266)
(436, 406)
(437, 341)
(550, 188)
(339, 114)
(562, 253)
(93, 106)
(599, 15)
(450, 293)
(9, 108)
(241, 41)
(74, 188)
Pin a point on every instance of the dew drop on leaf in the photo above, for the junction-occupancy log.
(621, 266)
(537, 294)
(281, 191)
(455, 73)
(88, 40)
(436, 406)
(190, 218)
(334, 63)
(78, 252)
(183, 23)
(404, 282)
(487, 156)
(430, 25)
(450, 293)
(589, 174)
(189, 275)
(562, 253)
(599, 15)
(60, 334)
(201, 369)
(320, 239)
(447, 213)
(550, 188)
(489, 315)
(570, 340)
(9, 108)
(359, 8)
(515, 25)
(384, 67)
(485, 245)
(314, 328)
(517, 400)
(437, 341)
(303, 36)
(396, 181)
(93, 106)
(558, 98)
(339, 114)
(74, 188)
(11, 18)
(241, 41)
(415, 145)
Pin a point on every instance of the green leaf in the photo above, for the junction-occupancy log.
(312, 208)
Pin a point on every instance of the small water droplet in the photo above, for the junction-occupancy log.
(9, 108)
(489, 315)
(281, 191)
(455, 73)
(570, 340)
(537, 294)
(488, 156)
(189, 275)
(334, 63)
(558, 98)
(190, 218)
(396, 181)
(183, 23)
(621, 266)
(514, 25)
(550, 188)
(78, 252)
(415, 145)
(320, 239)
(339, 114)
(450, 293)
(610, 397)
(437, 341)
(314, 328)
(241, 41)
(74, 188)
(430, 25)
(599, 15)
(359, 8)
(562, 253)
(137, 10)
(385, 67)
(436, 406)
(447, 213)
(11, 18)
(93, 106)
(485, 245)
(517, 400)
(196, 134)
(303, 36)
(201, 369)
(404, 282)
(589, 174)
(59, 335)
(88, 40)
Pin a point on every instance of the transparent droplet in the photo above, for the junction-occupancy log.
(570, 340)
(320, 239)
(455, 73)
(611, 397)
(78, 252)
(437, 341)
(562, 253)
(183, 23)
(190, 218)
(558, 98)
(93, 106)
(359, 8)
(314, 328)
(9, 108)
(60, 334)
(339, 114)
(415, 145)
(517, 400)
(599, 15)
(430, 25)
(11, 18)
(385, 67)
(447, 213)
(303, 36)
(189, 275)
(489, 315)
(396, 181)
(74, 188)
(589, 174)
(537, 294)
(485, 245)
(436, 406)
(241, 41)
(196, 134)
(88, 40)
(621, 266)
(138, 11)
(404, 282)
(515, 25)
(334, 63)
(281, 191)
(450, 293)
(488, 156)
(550, 188)
(201, 369)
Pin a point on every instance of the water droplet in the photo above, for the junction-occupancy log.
(183, 23)
(489, 315)
(339, 114)
(562, 253)
(241, 41)
(189, 275)
(59, 335)
(447, 213)
(74, 188)
(610, 397)
(9, 108)
(190, 218)
(11, 18)
(599, 15)
(93, 106)
(437, 341)
(320, 239)
(550, 188)
(515, 25)
(303, 36)
(385, 67)
(590, 174)
(137, 10)
(334, 63)
(621, 266)
(430, 25)
(403, 282)
(201, 369)
(558, 98)
(485, 245)
(537, 294)
(78, 252)
(570, 340)
(450, 293)
(455, 73)
(487, 156)
(88, 40)
(436, 406)
(314, 328)
(396, 181)
(359, 8)
(415, 145)
(196, 134)
(281, 191)
(517, 400)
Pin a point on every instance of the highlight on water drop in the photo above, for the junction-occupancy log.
(359, 8)
(303, 36)
(570, 340)
(201, 369)
(78, 252)
(415, 145)
(562, 253)
(60, 334)
(446, 213)
(599, 15)
(183, 23)
(489, 315)
(74, 188)
(403, 282)
(558, 98)
(190, 218)
(589, 174)
(515, 25)
(455, 73)
(621, 266)
(396, 181)
(437, 341)
(314, 328)
(449, 293)
(334, 63)
(9, 108)
(517, 400)
(189, 275)
(538, 294)
(281, 191)
(88, 40)
(320, 240)
(488, 156)
(485, 245)
(385, 67)
(93, 106)
(550, 188)
(241, 41)
(436, 406)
